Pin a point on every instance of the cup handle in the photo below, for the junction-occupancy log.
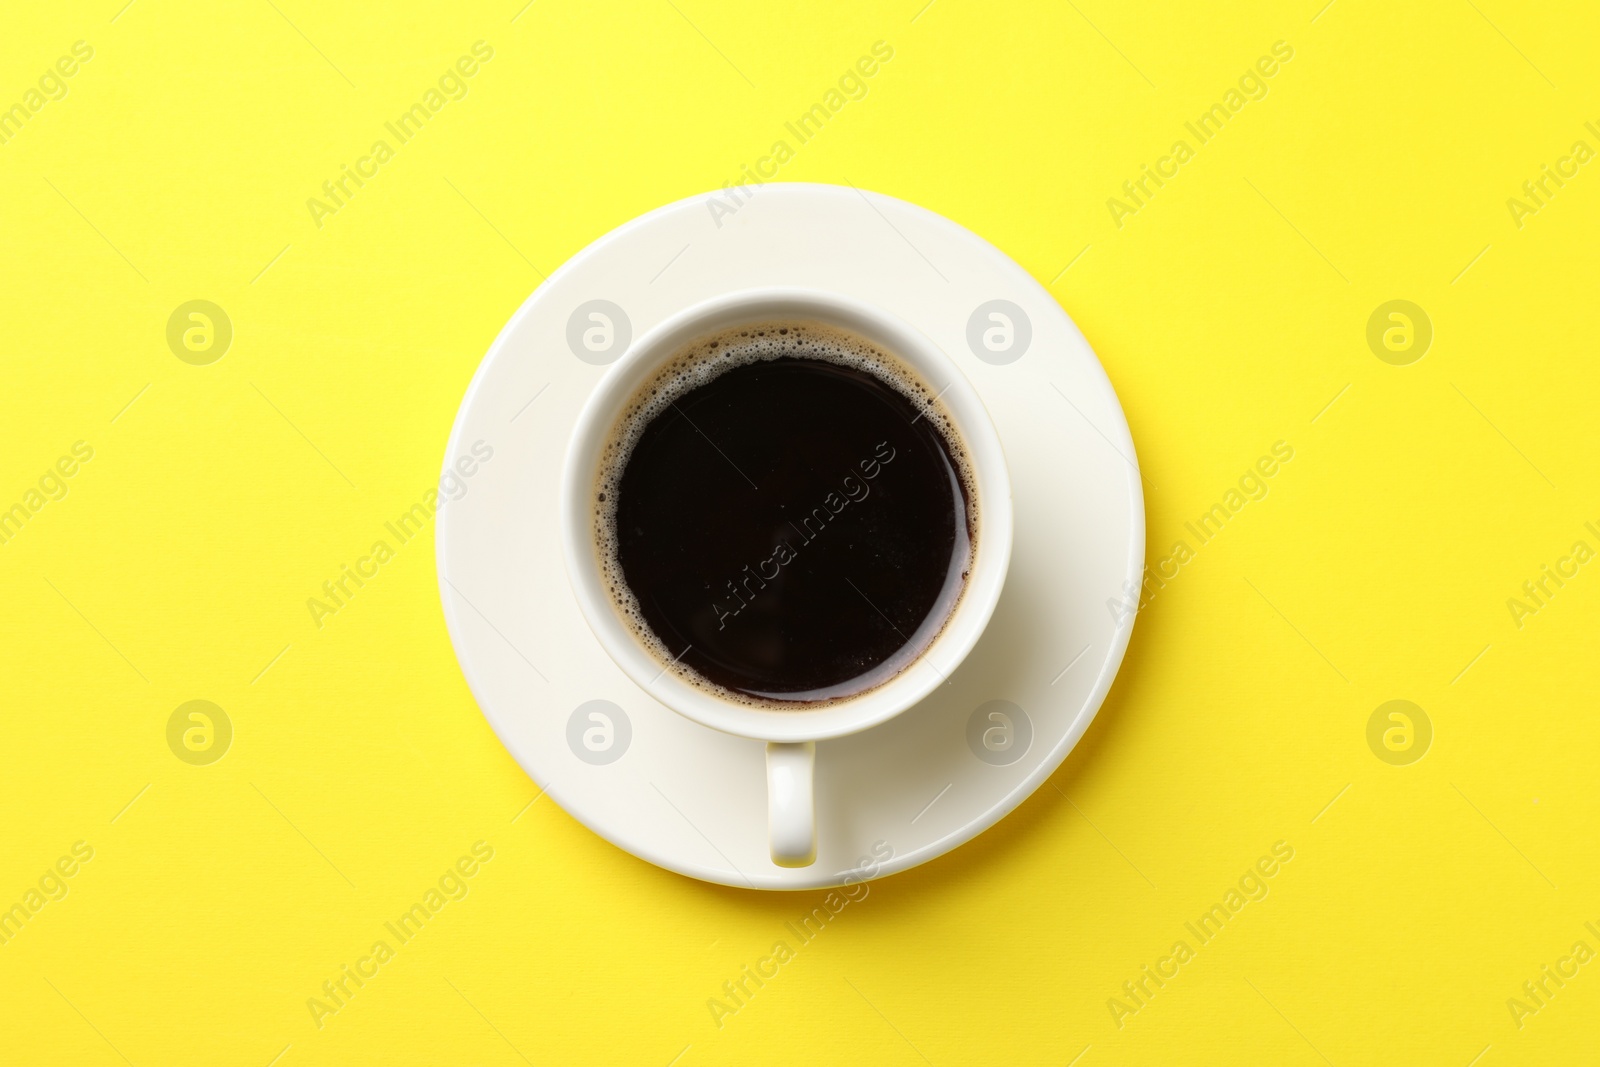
(791, 811)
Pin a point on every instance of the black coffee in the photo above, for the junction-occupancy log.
(786, 513)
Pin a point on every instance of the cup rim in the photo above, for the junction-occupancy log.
(990, 563)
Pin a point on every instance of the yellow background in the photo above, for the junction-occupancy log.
(1228, 312)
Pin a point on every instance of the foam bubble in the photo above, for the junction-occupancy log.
(702, 361)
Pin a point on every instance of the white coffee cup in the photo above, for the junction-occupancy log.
(791, 736)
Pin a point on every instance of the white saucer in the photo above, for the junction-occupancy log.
(686, 797)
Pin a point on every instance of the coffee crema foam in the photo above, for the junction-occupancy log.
(703, 361)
